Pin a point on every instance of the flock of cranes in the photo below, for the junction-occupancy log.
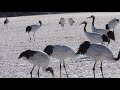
(94, 48)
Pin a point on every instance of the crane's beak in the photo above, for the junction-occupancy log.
(88, 17)
(19, 57)
(81, 23)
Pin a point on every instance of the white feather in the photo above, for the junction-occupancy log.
(94, 37)
(102, 31)
(35, 28)
(39, 59)
(62, 52)
(62, 22)
(113, 23)
(99, 52)
(71, 21)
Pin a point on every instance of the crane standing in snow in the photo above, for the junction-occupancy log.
(62, 22)
(112, 24)
(37, 58)
(110, 34)
(71, 21)
(95, 37)
(97, 52)
(33, 28)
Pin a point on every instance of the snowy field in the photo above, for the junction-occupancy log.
(14, 40)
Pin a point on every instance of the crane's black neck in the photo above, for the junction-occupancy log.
(85, 27)
(93, 22)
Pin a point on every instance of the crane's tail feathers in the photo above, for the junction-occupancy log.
(107, 27)
(28, 28)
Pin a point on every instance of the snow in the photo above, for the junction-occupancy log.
(14, 40)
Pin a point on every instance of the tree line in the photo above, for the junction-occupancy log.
(14, 14)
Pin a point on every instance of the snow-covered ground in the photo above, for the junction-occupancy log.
(14, 40)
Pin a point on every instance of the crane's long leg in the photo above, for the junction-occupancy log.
(32, 71)
(29, 36)
(101, 70)
(2, 27)
(34, 36)
(60, 68)
(94, 68)
(108, 42)
(7, 26)
(38, 72)
(113, 29)
(62, 27)
(65, 68)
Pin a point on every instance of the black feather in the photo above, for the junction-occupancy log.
(107, 26)
(5, 22)
(105, 38)
(111, 35)
(48, 50)
(83, 47)
(27, 54)
(28, 29)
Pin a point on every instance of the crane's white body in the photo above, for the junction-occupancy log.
(99, 52)
(62, 22)
(94, 37)
(63, 52)
(71, 21)
(60, 52)
(113, 23)
(102, 31)
(35, 28)
(40, 59)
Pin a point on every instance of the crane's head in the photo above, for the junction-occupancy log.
(27, 54)
(50, 69)
(22, 55)
(84, 22)
(92, 16)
